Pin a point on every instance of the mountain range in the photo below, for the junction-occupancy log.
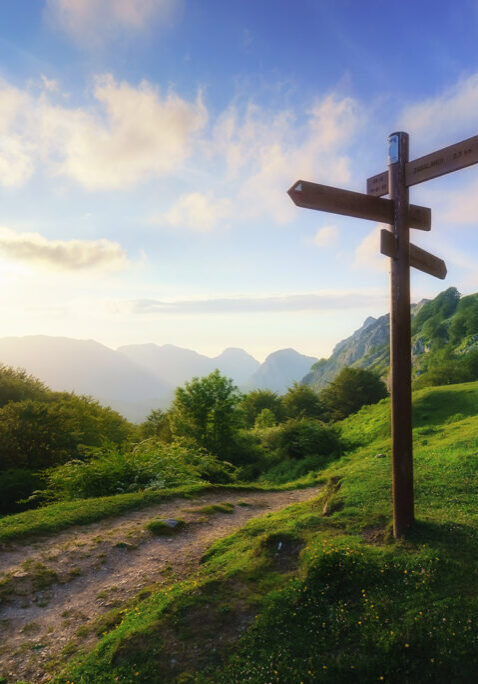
(135, 379)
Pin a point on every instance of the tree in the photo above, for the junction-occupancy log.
(254, 402)
(34, 435)
(350, 390)
(301, 401)
(157, 425)
(38, 434)
(17, 385)
(204, 412)
(265, 419)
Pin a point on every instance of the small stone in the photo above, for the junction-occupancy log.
(380, 456)
(170, 522)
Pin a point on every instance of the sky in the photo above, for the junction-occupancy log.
(146, 149)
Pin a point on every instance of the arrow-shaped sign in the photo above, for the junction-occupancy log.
(419, 258)
(338, 201)
(446, 160)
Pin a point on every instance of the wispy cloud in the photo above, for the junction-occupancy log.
(452, 111)
(196, 211)
(261, 149)
(326, 236)
(64, 255)
(239, 305)
(93, 22)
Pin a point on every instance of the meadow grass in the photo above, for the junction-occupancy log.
(320, 591)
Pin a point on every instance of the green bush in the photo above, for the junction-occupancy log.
(254, 402)
(150, 465)
(17, 385)
(41, 434)
(301, 438)
(301, 401)
(17, 484)
(351, 389)
(293, 449)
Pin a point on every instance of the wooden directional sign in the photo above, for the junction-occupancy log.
(395, 243)
(452, 158)
(419, 258)
(378, 185)
(338, 201)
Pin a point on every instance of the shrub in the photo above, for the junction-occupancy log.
(350, 390)
(301, 438)
(41, 434)
(265, 419)
(294, 449)
(301, 401)
(17, 484)
(17, 385)
(255, 401)
(150, 465)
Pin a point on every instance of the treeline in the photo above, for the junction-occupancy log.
(57, 445)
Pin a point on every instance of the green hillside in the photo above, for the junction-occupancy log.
(320, 591)
(444, 344)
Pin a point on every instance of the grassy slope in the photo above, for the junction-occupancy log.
(354, 605)
(60, 516)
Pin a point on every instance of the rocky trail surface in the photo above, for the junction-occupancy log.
(53, 587)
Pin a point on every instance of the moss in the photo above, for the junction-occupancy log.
(161, 527)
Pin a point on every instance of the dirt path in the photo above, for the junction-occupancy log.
(55, 586)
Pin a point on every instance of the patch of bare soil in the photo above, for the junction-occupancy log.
(56, 586)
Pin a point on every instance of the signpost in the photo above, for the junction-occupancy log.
(395, 243)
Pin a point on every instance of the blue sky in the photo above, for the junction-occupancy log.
(146, 147)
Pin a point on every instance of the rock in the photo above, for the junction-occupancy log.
(380, 456)
(170, 522)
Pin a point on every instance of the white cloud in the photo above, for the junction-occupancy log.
(267, 152)
(135, 134)
(326, 236)
(367, 254)
(92, 22)
(452, 112)
(132, 134)
(65, 255)
(198, 212)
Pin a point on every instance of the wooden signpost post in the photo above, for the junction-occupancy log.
(395, 243)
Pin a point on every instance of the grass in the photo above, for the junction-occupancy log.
(60, 516)
(320, 591)
(160, 527)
